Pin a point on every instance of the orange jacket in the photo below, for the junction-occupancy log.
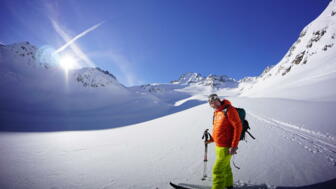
(226, 129)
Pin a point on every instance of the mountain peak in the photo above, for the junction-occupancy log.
(309, 60)
(212, 80)
(95, 77)
(188, 78)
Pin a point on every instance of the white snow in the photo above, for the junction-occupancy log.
(295, 145)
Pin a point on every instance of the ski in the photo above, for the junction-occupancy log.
(178, 186)
(188, 186)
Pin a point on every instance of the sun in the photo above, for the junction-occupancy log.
(67, 62)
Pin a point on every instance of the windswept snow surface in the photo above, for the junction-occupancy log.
(295, 145)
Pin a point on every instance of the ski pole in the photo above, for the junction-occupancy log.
(234, 163)
(206, 136)
(250, 135)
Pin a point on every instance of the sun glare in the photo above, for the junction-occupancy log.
(67, 62)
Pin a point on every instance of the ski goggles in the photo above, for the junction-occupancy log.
(212, 98)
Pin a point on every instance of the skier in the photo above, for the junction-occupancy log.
(227, 128)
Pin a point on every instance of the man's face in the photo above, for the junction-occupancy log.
(215, 104)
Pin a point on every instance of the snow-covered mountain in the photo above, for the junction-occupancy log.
(310, 60)
(33, 84)
(25, 50)
(189, 78)
(247, 82)
(187, 87)
(211, 80)
(13, 56)
(95, 77)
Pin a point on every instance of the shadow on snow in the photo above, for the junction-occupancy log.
(103, 118)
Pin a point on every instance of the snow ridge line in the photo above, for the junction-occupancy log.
(312, 141)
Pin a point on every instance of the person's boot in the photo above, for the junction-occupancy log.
(229, 187)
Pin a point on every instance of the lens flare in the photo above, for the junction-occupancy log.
(67, 62)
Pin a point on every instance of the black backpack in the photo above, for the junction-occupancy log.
(245, 123)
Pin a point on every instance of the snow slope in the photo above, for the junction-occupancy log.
(295, 145)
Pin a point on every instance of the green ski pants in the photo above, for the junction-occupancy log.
(221, 172)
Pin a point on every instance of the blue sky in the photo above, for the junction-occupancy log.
(146, 41)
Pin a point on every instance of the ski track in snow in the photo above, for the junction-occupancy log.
(314, 142)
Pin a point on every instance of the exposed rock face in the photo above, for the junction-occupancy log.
(313, 49)
(95, 77)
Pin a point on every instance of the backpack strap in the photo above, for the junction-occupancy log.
(226, 109)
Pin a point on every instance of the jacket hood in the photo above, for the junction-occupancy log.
(224, 104)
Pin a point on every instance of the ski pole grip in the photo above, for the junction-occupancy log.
(205, 135)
